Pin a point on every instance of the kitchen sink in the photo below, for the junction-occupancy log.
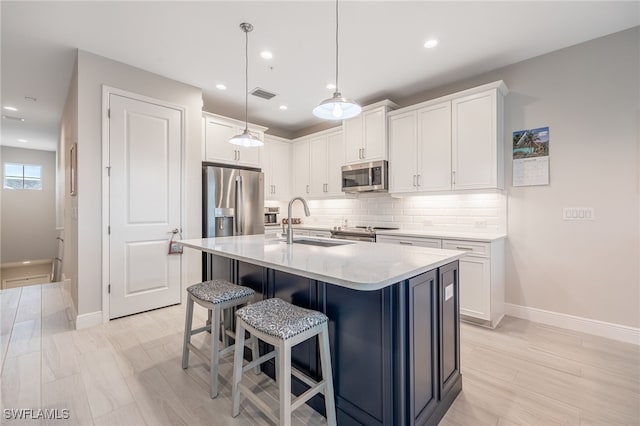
(320, 243)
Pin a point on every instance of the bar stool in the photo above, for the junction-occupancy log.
(283, 325)
(215, 296)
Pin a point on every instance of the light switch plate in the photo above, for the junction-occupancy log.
(578, 213)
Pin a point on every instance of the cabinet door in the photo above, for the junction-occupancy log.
(249, 156)
(300, 168)
(410, 241)
(268, 151)
(280, 158)
(375, 135)
(434, 148)
(423, 356)
(474, 141)
(402, 152)
(353, 138)
(335, 160)
(449, 303)
(318, 166)
(475, 287)
(217, 146)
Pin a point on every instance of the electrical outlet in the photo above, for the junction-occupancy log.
(578, 213)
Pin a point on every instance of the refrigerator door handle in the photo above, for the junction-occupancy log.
(239, 216)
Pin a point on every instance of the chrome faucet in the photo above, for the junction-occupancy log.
(306, 212)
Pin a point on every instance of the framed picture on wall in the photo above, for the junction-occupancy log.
(73, 170)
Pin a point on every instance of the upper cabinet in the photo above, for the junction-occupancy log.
(316, 163)
(365, 136)
(217, 132)
(451, 143)
(276, 156)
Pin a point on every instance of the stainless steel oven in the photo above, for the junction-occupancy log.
(365, 177)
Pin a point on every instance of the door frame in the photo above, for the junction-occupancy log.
(107, 91)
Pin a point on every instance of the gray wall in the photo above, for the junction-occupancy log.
(589, 97)
(29, 216)
(94, 72)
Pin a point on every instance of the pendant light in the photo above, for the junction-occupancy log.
(246, 138)
(337, 107)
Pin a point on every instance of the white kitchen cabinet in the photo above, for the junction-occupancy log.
(409, 241)
(300, 168)
(477, 141)
(317, 161)
(217, 132)
(451, 143)
(420, 149)
(365, 136)
(276, 156)
(481, 280)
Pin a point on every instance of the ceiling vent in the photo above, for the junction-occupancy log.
(261, 93)
(11, 117)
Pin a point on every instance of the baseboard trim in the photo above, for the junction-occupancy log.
(609, 330)
(88, 320)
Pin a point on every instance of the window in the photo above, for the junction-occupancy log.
(22, 176)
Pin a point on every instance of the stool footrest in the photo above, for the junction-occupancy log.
(258, 402)
(308, 394)
(303, 377)
(264, 358)
(200, 330)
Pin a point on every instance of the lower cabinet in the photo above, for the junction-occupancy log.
(481, 275)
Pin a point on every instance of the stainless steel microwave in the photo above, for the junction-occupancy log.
(365, 177)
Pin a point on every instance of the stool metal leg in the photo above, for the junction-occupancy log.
(237, 369)
(325, 360)
(215, 350)
(187, 332)
(284, 382)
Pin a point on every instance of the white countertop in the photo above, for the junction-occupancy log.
(484, 237)
(359, 265)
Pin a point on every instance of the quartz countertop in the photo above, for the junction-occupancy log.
(357, 265)
(446, 235)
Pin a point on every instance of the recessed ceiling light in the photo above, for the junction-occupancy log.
(284, 107)
(22, 140)
(430, 44)
(331, 86)
(266, 54)
(26, 262)
(10, 108)
(221, 86)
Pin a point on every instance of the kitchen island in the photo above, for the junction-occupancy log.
(393, 312)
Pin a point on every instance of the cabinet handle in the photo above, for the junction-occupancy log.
(307, 189)
(364, 155)
(274, 189)
(238, 155)
(453, 174)
(406, 243)
(464, 248)
(419, 180)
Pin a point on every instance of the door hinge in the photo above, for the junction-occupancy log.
(109, 230)
(109, 288)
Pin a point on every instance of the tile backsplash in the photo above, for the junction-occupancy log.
(475, 213)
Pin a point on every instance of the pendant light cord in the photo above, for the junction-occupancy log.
(246, 80)
(337, 90)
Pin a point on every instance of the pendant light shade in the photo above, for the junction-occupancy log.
(246, 138)
(337, 107)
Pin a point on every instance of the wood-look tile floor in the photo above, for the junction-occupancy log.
(128, 372)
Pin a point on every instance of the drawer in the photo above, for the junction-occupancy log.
(474, 248)
(323, 234)
(409, 241)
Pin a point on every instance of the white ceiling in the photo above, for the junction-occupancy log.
(200, 43)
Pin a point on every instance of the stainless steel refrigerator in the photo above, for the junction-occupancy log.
(232, 204)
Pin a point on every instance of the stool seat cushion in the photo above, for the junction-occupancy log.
(219, 291)
(278, 318)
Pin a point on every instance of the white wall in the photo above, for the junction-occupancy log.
(29, 216)
(94, 72)
(589, 97)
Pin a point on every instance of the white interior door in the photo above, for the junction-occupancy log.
(145, 203)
